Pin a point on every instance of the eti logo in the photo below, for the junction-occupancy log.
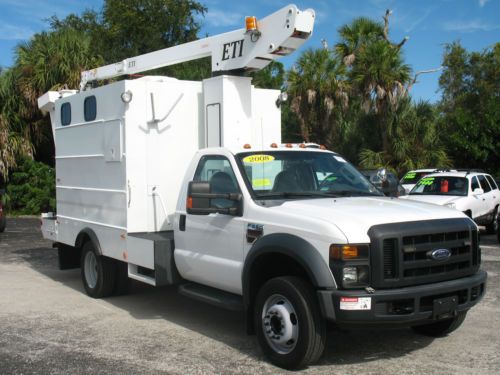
(232, 49)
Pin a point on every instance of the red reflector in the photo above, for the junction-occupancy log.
(348, 299)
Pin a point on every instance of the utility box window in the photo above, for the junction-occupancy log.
(65, 114)
(90, 108)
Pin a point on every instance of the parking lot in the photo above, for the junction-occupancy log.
(48, 325)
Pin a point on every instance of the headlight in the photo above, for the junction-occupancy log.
(350, 264)
(451, 205)
(355, 276)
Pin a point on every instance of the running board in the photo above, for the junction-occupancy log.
(213, 296)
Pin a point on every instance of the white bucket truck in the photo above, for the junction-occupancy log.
(178, 182)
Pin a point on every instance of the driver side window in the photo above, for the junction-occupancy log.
(217, 170)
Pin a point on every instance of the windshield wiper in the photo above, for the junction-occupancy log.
(358, 193)
(293, 194)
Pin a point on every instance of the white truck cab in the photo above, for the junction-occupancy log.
(186, 183)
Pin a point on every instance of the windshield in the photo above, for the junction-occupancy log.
(412, 177)
(291, 174)
(444, 185)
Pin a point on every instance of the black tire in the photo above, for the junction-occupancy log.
(104, 270)
(442, 328)
(3, 223)
(298, 296)
(492, 227)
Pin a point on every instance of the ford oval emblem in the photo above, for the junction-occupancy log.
(440, 254)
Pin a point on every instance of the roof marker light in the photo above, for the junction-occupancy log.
(302, 145)
(274, 145)
(247, 146)
(288, 145)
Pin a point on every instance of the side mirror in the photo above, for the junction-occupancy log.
(478, 191)
(382, 174)
(199, 200)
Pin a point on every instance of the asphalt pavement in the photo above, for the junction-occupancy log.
(49, 326)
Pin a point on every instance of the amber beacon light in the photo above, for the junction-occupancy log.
(251, 23)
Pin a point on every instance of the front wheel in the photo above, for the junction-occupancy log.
(442, 328)
(289, 325)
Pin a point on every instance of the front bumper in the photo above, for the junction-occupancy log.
(405, 306)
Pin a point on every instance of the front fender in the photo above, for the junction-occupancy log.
(296, 248)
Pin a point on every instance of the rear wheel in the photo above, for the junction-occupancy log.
(98, 272)
(289, 325)
(441, 328)
(492, 227)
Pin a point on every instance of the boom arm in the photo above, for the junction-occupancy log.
(278, 34)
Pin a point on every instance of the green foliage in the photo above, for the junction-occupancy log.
(125, 28)
(318, 91)
(470, 106)
(271, 77)
(31, 189)
(415, 140)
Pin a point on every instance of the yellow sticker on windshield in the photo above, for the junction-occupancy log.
(258, 159)
(260, 182)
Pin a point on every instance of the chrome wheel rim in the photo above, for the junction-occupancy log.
(90, 269)
(280, 324)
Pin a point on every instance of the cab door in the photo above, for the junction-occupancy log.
(209, 249)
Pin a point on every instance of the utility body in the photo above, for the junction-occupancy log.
(185, 183)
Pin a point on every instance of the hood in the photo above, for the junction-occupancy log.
(434, 199)
(354, 216)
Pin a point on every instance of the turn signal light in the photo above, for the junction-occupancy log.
(343, 252)
(189, 203)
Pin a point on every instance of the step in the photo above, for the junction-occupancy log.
(213, 296)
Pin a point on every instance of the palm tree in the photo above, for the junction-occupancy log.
(415, 140)
(355, 36)
(13, 138)
(319, 93)
(376, 69)
(49, 61)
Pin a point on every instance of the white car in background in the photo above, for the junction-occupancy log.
(475, 194)
(410, 179)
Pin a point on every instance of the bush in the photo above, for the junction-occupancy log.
(31, 188)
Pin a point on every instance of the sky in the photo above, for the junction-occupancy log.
(429, 24)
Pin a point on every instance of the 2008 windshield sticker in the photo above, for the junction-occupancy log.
(410, 176)
(255, 159)
(426, 181)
